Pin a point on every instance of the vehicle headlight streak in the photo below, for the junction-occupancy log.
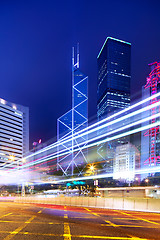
(106, 175)
(85, 132)
(102, 141)
(51, 156)
(116, 114)
(94, 125)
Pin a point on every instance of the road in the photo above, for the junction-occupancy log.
(49, 222)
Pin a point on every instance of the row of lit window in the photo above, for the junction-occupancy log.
(115, 94)
(120, 74)
(114, 101)
(102, 70)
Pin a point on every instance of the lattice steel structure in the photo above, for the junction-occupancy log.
(73, 121)
(153, 82)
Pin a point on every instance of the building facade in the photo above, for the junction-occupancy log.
(150, 139)
(127, 160)
(14, 134)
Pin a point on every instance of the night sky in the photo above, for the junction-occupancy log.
(36, 39)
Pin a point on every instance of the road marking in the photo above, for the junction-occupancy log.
(17, 230)
(41, 210)
(5, 221)
(134, 226)
(77, 236)
(138, 218)
(67, 233)
(83, 217)
(113, 225)
(108, 237)
(109, 222)
(10, 221)
(127, 219)
(136, 238)
(92, 212)
(5, 215)
(30, 219)
(19, 215)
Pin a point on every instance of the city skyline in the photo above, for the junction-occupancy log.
(33, 51)
(80, 126)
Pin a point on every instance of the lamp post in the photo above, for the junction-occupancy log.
(23, 161)
(147, 181)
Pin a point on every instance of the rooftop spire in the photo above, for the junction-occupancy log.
(75, 65)
(77, 55)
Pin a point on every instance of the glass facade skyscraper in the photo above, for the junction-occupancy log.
(114, 74)
(113, 90)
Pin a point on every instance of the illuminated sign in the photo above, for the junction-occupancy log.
(75, 183)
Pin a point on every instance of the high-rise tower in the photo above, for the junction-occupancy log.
(113, 91)
(114, 74)
(150, 140)
(72, 122)
(14, 134)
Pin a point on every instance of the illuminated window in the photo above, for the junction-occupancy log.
(3, 101)
(14, 107)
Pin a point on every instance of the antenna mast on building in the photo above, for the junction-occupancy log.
(77, 55)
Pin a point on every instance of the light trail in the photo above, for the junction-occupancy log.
(105, 175)
(117, 114)
(96, 143)
(109, 139)
(104, 135)
(98, 128)
(93, 125)
(52, 156)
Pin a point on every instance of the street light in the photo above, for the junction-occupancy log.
(11, 157)
(23, 160)
(147, 180)
(92, 168)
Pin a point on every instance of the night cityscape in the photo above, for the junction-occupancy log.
(79, 120)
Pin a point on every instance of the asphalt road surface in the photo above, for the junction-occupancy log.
(47, 222)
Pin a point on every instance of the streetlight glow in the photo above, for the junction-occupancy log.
(92, 168)
(11, 157)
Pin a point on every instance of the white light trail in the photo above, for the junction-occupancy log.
(84, 132)
(95, 124)
(105, 175)
(95, 143)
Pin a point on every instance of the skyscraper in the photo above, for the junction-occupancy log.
(114, 74)
(14, 134)
(113, 90)
(127, 161)
(150, 139)
(72, 122)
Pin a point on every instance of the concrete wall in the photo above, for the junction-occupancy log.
(124, 193)
(134, 204)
